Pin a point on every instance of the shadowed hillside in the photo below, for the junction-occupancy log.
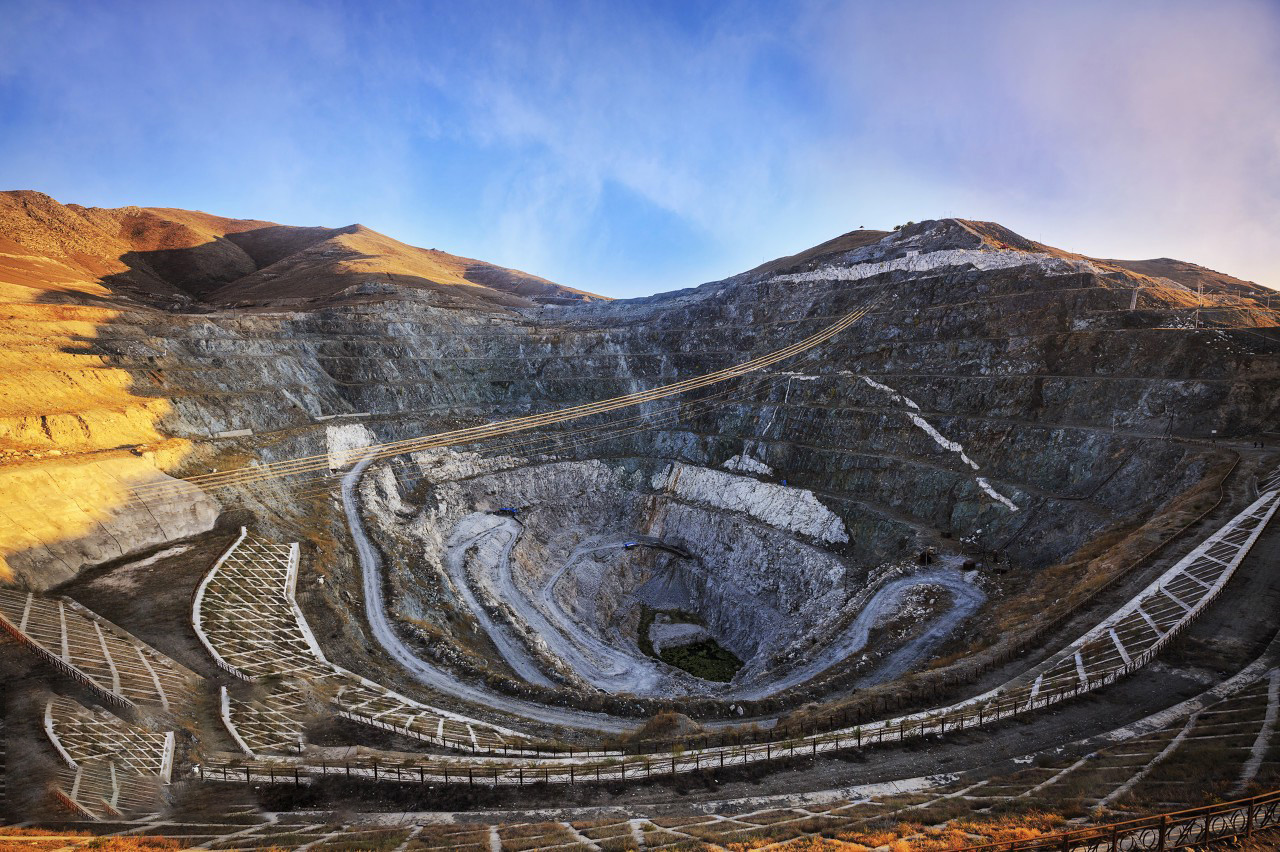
(180, 258)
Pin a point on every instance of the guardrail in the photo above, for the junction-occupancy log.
(564, 768)
(66, 668)
(1179, 830)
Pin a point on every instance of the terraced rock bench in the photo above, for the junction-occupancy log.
(1209, 566)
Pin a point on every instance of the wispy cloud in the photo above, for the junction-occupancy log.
(1121, 129)
(633, 148)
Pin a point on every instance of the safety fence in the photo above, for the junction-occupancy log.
(1179, 830)
(246, 616)
(1224, 550)
(111, 767)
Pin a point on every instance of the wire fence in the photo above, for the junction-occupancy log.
(512, 767)
(1186, 829)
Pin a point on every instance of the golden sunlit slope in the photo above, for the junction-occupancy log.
(1191, 274)
(75, 432)
(160, 255)
(48, 248)
(75, 437)
(357, 255)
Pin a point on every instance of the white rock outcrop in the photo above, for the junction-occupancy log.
(343, 441)
(795, 510)
(676, 635)
(942, 441)
(984, 259)
(448, 465)
(747, 464)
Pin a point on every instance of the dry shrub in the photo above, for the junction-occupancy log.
(85, 840)
(872, 838)
(1023, 826)
(803, 844)
(939, 840)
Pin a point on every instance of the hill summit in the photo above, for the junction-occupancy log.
(181, 258)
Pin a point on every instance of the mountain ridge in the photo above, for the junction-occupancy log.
(192, 260)
(184, 258)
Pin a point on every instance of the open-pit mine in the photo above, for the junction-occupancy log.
(935, 536)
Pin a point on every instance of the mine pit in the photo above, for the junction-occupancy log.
(652, 578)
(447, 541)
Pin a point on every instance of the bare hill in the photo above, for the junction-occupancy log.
(1191, 275)
(355, 255)
(49, 251)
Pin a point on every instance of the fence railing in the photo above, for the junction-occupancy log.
(558, 768)
(66, 668)
(1179, 830)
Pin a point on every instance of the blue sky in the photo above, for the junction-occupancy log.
(629, 148)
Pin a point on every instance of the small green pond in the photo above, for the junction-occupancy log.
(706, 659)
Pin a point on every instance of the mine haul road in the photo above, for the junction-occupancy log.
(586, 652)
(424, 672)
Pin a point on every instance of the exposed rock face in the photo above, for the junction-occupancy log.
(793, 509)
(675, 634)
(558, 590)
(746, 463)
(1002, 396)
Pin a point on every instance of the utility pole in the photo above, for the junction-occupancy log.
(1199, 301)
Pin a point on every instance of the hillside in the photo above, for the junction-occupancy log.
(887, 471)
(273, 329)
(1191, 275)
(179, 258)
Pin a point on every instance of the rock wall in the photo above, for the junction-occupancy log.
(1058, 393)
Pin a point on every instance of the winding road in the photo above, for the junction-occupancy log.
(427, 674)
(965, 597)
(509, 646)
(611, 666)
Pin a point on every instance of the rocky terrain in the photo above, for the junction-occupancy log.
(1009, 418)
(1011, 442)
